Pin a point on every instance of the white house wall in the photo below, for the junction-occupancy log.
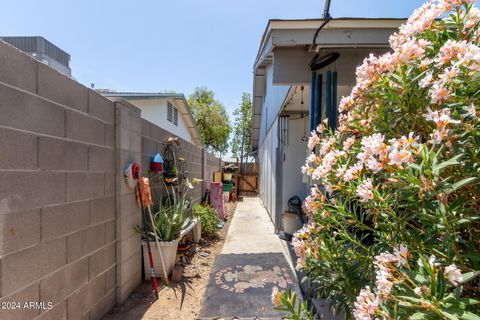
(155, 111)
(268, 161)
(273, 100)
(295, 154)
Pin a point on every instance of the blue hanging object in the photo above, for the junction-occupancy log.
(317, 114)
(328, 98)
(157, 163)
(312, 101)
(334, 109)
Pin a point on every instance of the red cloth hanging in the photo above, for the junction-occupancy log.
(146, 194)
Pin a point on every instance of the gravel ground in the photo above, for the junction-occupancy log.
(181, 300)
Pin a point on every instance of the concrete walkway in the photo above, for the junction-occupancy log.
(252, 231)
(252, 262)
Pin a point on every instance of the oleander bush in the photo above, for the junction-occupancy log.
(395, 231)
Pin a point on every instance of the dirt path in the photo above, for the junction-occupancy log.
(180, 300)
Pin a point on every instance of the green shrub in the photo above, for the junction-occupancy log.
(396, 233)
(209, 219)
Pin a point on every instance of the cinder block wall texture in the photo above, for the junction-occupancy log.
(67, 217)
(153, 141)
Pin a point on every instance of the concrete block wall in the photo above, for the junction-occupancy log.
(67, 217)
(128, 150)
(212, 165)
(153, 141)
(57, 193)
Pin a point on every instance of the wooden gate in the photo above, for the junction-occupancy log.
(248, 179)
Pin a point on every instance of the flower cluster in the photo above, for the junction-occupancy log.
(303, 242)
(366, 305)
(390, 275)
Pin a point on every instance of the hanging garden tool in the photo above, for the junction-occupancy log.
(132, 176)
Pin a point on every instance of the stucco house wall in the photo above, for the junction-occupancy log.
(281, 69)
(155, 111)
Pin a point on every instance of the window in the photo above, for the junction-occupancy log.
(169, 112)
(175, 116)
(172, 114)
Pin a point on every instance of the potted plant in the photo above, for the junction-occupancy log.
(167, 219)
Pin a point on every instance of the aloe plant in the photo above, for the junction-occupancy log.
(169, 217)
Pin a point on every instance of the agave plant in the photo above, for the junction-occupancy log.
(170, 216)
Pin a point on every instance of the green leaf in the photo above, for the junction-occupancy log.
(410, 299)
(441, 286)
(469, 276)
(469, 316)
(415, 166)
(457, 185)
(450, 162)
(450, 316)
(418, 278)
(418, 316)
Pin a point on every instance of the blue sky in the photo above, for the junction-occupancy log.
(147, 45)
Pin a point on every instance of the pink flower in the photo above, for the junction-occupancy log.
(398, 157)
(311, 205)
(384, 259)
(401, 253)
(298, 246)
(410, 141)
(373, 144)
(418, 291)
(312, 158)
(448, 5)
(326, 146)
(366, 305)
(426, 81)
(348, 143)
(439, 135)
(352, 172)
(421, 19)
(412, 50)
(345, 104)
(374, 165)
(328, 187)
(365, 190)
(470, 111)
(383, 282)
(439, 93)
(441, 118)
(364, 156)
(472, 19)
(313, 141)
(453, 274)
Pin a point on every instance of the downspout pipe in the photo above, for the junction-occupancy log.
(326, 10)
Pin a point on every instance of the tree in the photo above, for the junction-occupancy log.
(211, 118)
(242, 132)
